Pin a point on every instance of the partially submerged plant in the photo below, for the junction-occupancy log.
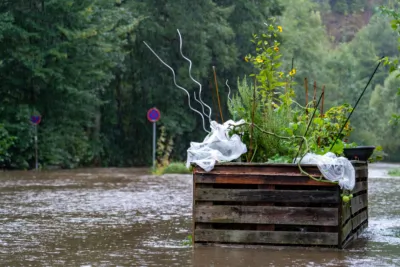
(276, 123)
(265, 102)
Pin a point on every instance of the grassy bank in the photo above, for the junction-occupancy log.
(172, 168)
(394, 172)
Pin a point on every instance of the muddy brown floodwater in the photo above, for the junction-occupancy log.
(123, 217)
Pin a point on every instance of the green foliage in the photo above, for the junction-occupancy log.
(82, 65)
(267, 103)
(276, 122)
(165, 146)
(172, 168)
(177, 168)
(346, 7)
(58, 59)
(394, 172)
(377, 155)
(6, 141)
(188, 241)
(393, 61)
(305, 41)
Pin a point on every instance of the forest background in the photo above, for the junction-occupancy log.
(82, 65)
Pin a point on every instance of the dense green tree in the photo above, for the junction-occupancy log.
(306, 42)
(57, 58)
(382, 106)
(84, 67)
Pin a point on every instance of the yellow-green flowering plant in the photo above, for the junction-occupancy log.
(275, 122)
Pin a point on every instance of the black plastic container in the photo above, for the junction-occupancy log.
(361, 153)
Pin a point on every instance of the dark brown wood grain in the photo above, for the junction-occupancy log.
(358, 203)
(346, 212)
(234, 178)
(267, 237)
(267, 215)
(260, 168)
(360, 187)
(255, 195)
(346, 231)
(266, 227)
(257, 203)
(359, 219)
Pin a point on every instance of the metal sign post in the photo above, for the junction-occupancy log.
(153, 115)
(35, 120)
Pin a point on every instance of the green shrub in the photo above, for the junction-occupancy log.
(176, 167)
(172, 168)
(394, 172)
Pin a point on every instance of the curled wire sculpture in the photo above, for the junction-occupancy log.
(180, 87)
(190, 75)
(229, 92)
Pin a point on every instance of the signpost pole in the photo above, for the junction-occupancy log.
(154, 145)
(35, 120)
(153, 115)
(36, 149)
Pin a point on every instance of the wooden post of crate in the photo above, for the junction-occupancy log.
(354, 217)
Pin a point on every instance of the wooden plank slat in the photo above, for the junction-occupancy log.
(346, 213)
(251, 168)
(346, 230)
(358, 203)
(347, 242)
(258, 179)
(271, 168)
(267, 237)
(361, 228)
(359, 219)
(360, 186)
(266, 227)
(283, 196)
(267, 215)
(361, 171)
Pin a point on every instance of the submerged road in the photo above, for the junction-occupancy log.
(124, 217)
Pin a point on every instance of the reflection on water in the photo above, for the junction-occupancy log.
(124, 217)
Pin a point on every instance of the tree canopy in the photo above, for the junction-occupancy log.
(83, 66)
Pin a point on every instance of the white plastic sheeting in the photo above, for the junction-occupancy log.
(217, 146)
(333, 168)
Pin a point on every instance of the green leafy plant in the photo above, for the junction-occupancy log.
(377, 155)
(265, 103)
(275, 122)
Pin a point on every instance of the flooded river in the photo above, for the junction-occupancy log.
(124, 217)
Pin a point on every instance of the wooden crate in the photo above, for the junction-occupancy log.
(274, 204)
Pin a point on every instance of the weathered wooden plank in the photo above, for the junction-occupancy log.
(361, 171)
(359, 219)
(360, 186)
(267, 237)
(253, 168)
(355, 235)
(346, 212)
(278, 168)
(266, 227)
(284, 196)
(237, 178)
(361, 228)
(347, 242)
(346, 231)
(267, 215)
(358, 203)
